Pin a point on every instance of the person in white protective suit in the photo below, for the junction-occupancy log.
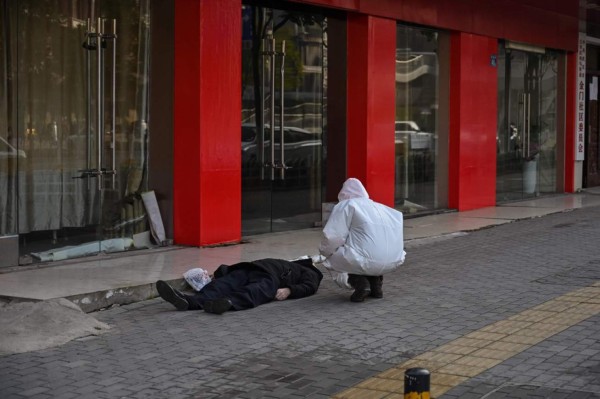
(364, 239)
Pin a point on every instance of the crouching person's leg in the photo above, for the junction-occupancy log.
(360, 285)
(376, 283)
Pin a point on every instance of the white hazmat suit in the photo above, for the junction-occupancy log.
(362, 236)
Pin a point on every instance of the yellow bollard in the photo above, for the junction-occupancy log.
(416, 383)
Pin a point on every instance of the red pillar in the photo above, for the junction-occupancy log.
(207, 128)
(473, 121)
(371, 47)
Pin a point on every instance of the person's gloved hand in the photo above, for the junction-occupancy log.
(318, 259)
(282, 294)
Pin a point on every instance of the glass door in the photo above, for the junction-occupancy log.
(527, 127)
(416, 126)
(282, 119)
(78, 72)
(591, 163)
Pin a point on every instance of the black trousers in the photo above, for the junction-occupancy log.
(360, 282)
(245, 287)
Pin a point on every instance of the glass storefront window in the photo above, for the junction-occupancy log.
(74, 118)
(527, 123)
(416, 130)
(10, 153)
(284, 61)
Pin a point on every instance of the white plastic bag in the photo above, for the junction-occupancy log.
(197, 278)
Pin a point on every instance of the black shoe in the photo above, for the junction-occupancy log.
(359, 296)
(171, 295)
(217, 306)
(360, 284)
(376, 283)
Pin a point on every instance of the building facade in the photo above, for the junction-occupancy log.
(434, 105)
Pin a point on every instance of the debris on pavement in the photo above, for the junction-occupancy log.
(30, 326)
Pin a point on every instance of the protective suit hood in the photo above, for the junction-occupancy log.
(352, 188)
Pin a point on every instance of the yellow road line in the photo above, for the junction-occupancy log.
(465, 357)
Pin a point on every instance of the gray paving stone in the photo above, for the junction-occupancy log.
(34, 391)
(13, 392)
(320, 345)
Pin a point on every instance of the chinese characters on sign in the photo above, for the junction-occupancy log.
(580, 119)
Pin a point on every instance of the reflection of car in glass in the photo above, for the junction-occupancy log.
(409, 132)
(9, 151)
(301, 146)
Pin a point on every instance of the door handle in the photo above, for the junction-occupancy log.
(260, 125)
(269, 73)
(282, 111)
(271, 53)
(113, 36)
(528, 124)
(522, 129)
(96, 40)
(272, 113)
(281, 164)
(99, 102)
(90, 44)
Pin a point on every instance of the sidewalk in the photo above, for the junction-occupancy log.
(506, 312)
(101, 281)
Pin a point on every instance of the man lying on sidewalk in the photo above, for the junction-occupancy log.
(247, 285)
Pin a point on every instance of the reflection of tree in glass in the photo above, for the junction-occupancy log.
(52, 35)
(284, 26)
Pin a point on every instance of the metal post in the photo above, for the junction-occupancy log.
(99, 105)
(272, 115)
(282, 110)
(89, 42)
(416, 383)
(113, 112)
(261, 109)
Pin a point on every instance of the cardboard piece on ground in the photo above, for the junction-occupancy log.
(156, 225)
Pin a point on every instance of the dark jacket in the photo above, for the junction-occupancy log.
(300, 276)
